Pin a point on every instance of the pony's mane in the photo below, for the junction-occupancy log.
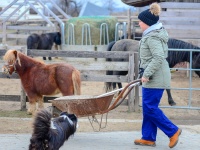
(54, 36)
(178, 44)
(175, 57)
(10, 56)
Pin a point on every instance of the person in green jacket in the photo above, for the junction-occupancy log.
(153, 51)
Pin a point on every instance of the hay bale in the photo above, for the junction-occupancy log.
(95, 24)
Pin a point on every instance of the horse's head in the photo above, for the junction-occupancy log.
(57, 38)
(10, 57)
(196, 63)
(8, 69)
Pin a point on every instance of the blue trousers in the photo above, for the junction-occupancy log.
(153, 117)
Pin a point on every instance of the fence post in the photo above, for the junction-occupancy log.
(23, 94)
(136, 71)
(4, 33)
(131, 78)
(23, 99)
(129, 23)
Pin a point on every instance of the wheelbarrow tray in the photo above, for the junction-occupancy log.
(83, 105)
(86, 105)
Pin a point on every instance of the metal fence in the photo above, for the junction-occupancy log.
(190, 89)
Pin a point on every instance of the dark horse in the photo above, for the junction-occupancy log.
(174, 57)
(44, 41)
(39, 79)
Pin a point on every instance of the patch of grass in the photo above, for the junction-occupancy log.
(16, 113)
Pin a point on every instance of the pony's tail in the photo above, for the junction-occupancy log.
(76, 79)
(110, 45)
(108, 85)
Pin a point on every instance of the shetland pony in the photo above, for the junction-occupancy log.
(44, 41)
(39, 79)
(174, 57)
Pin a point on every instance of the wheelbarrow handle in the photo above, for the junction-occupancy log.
(117, 90)
(130, 85)
(110, 93)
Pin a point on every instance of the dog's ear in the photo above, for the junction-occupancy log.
(63, 116)
(63, 113)
(73, 117)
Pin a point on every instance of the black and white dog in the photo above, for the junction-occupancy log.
(51, 134)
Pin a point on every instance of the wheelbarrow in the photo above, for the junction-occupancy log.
(90, 106)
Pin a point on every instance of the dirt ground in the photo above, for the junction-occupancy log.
(119, 119)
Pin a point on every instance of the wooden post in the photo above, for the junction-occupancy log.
(4, 33)
(131, 78)
(23, 94)
(133, 101)
(23, 99)
(129, 23)
(136, 69)
(17, 39)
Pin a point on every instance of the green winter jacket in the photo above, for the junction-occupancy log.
(153, 52)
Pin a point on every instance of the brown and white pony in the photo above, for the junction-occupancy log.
(39, 79)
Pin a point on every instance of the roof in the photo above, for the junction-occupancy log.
(142, 3)
(90, 9)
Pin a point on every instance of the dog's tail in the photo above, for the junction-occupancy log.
(76, 79)
(41, 128)
(42, 124)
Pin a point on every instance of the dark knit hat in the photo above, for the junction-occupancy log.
(151, 15)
